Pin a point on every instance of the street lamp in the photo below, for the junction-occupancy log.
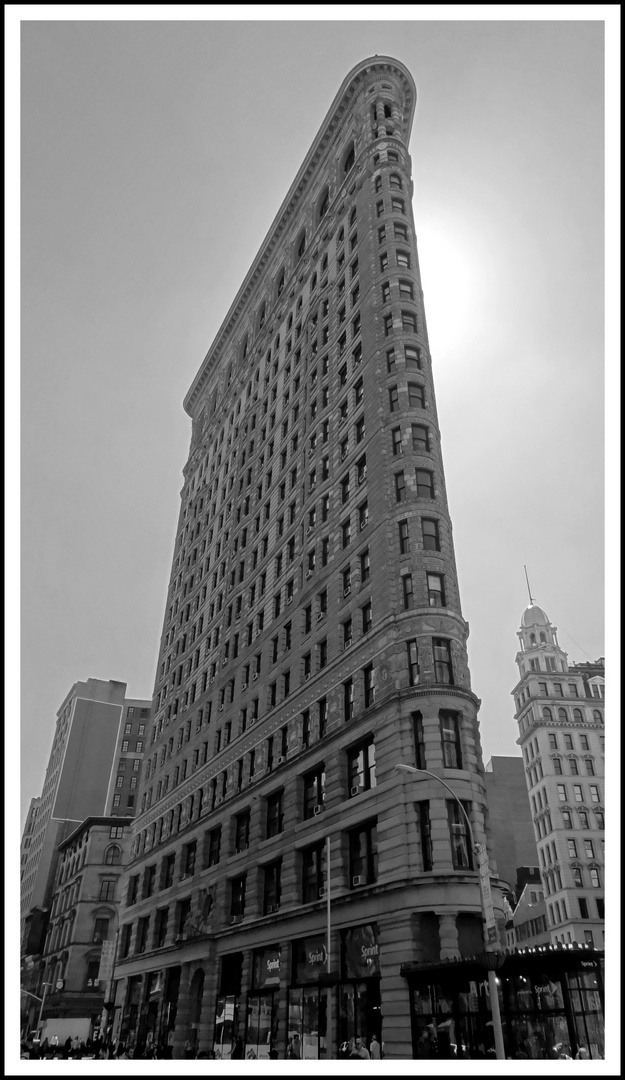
(488, 915)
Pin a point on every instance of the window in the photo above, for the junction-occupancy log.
(323, 716)
(313, 863)
(419, 740)
(113, 855)
(271, 887)
(566, 819)
(107, 889)
(416, 396)
(361, 768)
(367, 619)
(400, 231)
(461, 854)
(450, 738)
(314, 791)
(100, 930)
(369, 685)
(443, 671)
(322, 649)
(390, 361)
(363, 855)
(237, 897)
(413, 662)
(429, 531)
(425, 484)
(393, 399)
(406, 292)
(364, 566)
(214, 840)
(403, 260)
(346, 533)
(404, 538)
(386, 292)
(420, 439)
(274, 814)
(594, 793)
(571, 848)
(400, 487)
(396, 442)
(242, 832)
(578, 879)
(562, 797)
(407, 591)
(398, 206)
(142, 934)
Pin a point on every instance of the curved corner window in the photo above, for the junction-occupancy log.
(349, 159)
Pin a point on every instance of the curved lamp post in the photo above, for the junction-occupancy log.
(488, 917)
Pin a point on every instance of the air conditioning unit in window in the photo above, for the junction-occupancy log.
(318, 809)
(244, 686)
(309, 573)
(213, 679)
(280, 760)
(221, 708)
(364, 523)
(322, 892)
(347, 590)
(358, 880)
(272, 907)
(219, 800)
(183, 877)
(361, 479)
(224, 661)
(355, 790)
(348, 642)
(257, 634)
(307, 676)
(309, 529)
(96, 982)
(236, 919)
(255, 676)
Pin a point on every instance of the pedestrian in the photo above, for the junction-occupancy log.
(375, 1050)
(237, 1050)
(582, 1054)
(360, 1050)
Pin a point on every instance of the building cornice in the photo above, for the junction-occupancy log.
(338, 110)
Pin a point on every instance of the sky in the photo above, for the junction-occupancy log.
(154, 156)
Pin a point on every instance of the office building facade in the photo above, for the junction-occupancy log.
(560, 715)
(313, 638)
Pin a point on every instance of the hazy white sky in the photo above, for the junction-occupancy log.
(154, 158)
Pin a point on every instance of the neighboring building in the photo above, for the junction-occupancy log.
(560, 713)
(313, 638)
(83, 917)
(94, 769)
(512, 828)
(528, 923)
(27, 835)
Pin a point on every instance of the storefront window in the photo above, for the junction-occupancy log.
(259, 1024)
(226, 1024)
(307, 1023)
(587, 1011)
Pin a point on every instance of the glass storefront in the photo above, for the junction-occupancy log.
(260, 1025)
(550, 1008)
(228, 1004)
(308, 1001)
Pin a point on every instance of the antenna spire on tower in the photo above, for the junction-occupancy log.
(528, 585)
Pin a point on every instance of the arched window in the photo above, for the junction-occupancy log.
(532, 639)
(394, 181)
(112, 855)
(562, 715)
(387, 112)
(324, 204)
(597, 715)
(349, 160)
(578, 716)
(543, 638)
(547, 714)
(301, 245)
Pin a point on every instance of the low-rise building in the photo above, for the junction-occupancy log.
(79, 948)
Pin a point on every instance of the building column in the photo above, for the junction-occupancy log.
(448, 931)
(397, 946)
